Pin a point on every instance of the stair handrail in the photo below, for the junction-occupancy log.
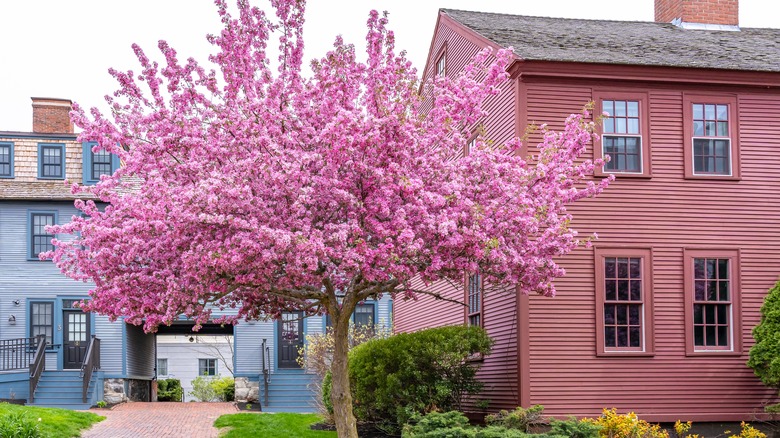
(91, 363)
(265, 352)
(38, 364)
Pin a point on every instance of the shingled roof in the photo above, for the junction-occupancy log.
(626, 42)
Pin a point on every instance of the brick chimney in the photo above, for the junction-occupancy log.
(51, 116)
(722, 12)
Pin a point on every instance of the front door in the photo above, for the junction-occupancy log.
(75, 337)
(289, 339)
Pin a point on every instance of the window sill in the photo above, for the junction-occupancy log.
(625, 354)
(6, 177)
(50, 178)
(705, 353)
(714, 177)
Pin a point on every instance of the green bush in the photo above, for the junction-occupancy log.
(518, 419)
(209, 389)
(765, 353)
(19, 425)
(574, 428)
(327, 382)
(411, 373)
(169, 390)
(225, 387)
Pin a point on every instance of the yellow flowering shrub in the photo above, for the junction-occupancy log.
(749, 431)
(614, 425)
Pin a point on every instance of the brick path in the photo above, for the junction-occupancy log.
(160, 419)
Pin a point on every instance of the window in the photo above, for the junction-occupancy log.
(51, 161)
(624, 301)
(624, 133)
(39, 238)
(42, 320)
(97, 163)
(6, 160)
(162, 367)
(474, 299)
(207, 367)
(441, 65)
(364, 314)
(710, 143)
(711, 299)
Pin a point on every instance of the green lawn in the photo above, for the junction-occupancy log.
(271, 426)
(55, 423)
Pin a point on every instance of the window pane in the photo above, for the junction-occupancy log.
(709, 112)
(712, 290)
(633, 126)
(699, 287)
(698, 112)
(623, 290)
(608, 107)
(633, 109)
(698, 268)
(722, 314)
(709, 335)
(609, 267)
(636, 289)
(723, 336)
(610, 289)
(723, 129)
(609, 125)
(622, 267)
(709, 128)
(633, 314)
(633, 336)
(698, 335)
(622, 315)
(620, 125)
(609, 314)
(709, 314)
(723, 290)
(610, 337)
(620, 108)
(698, 314)
(723, 112)
(622, 336)
(711, 268)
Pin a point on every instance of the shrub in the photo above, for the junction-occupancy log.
(572, 428)
(317, 354)
(518, 419)
(765, 353)
(203, 390)
(749, 431)
(454, 424)
(417, 372)
(614, 425)
(225, 387)
(19, 425)
(169, 390)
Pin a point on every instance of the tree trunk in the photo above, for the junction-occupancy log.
(341, 396)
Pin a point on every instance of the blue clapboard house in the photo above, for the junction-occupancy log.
(53, 354)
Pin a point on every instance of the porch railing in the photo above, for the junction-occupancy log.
(91, 363)
(38, 364)
(16, 354)
(265, 352)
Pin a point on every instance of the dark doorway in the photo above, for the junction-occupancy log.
(75, 337)
(289, 339)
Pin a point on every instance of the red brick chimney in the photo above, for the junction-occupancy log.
(51, 116)
(724, 12)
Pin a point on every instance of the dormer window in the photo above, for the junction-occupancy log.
(6, 160)
(51, 161)
(97, 163)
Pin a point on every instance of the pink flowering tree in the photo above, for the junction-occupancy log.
(260, 188)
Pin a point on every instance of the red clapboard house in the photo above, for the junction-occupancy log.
(657, 317)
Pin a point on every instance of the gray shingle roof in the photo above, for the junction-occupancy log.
(626, 42)
(39, 190)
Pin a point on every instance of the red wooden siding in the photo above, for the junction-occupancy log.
(667, 213)
(499, 370)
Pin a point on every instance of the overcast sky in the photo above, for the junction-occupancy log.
(55, 48)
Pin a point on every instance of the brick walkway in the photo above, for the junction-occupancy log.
(158, 420)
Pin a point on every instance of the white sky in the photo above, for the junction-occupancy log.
(55, 48)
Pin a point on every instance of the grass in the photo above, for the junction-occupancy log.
(55, 423)
(271, 426)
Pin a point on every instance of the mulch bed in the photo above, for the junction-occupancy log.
(251, 407)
